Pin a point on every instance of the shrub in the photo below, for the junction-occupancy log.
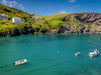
(56, 23)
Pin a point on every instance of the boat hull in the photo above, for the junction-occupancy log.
(93, 55)
(76, 54)
(20, 62)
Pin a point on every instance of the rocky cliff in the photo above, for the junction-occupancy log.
(94, 19)
(90, 22)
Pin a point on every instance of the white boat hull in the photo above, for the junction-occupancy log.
(20, 62)
(94, 54)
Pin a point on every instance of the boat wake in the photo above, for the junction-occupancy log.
(4, 66)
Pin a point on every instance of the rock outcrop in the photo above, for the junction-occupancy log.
(87, 20)
(93, 19)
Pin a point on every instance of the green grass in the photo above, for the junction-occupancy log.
(12, 12)
(53, 17)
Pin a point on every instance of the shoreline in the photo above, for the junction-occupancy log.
(9, 35)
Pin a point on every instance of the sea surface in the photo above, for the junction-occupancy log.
(50, 55)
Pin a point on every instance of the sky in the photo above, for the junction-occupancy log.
(49, 7)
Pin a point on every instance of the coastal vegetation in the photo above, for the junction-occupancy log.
(74, 23)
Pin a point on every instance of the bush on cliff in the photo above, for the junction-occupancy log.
(56, 24)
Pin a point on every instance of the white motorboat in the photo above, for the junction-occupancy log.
(20, 62)
(95, 53)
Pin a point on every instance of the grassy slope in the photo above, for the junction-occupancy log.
(8, 26)
(12, 12)
(73, 23)
(59, 16)
(50, 22)
(53, 17)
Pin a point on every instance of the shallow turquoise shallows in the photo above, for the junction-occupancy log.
(50, 55)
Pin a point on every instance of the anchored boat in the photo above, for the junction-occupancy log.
(78, 53)
(20, 62)
(93, 54)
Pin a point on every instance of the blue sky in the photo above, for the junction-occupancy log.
(48, 7)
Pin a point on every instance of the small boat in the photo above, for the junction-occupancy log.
(78, 53)
(20, 62)
(93, 54)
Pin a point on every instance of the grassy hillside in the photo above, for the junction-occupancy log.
(12, 12)
(74, 22)
(53, 17)
(7, 27)
(51, 24)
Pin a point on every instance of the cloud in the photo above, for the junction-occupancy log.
(72, 1)
(12, 4)
(9, 3)
(20, 6)
(63, 12)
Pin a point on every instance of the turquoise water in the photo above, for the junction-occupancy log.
(50, 55)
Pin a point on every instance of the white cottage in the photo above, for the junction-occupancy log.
(3, 17)
(16, 20)
(37, 18)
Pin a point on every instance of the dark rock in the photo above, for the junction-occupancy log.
(86, 31)
(67, 32)
(67, 18)
(82, 30)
